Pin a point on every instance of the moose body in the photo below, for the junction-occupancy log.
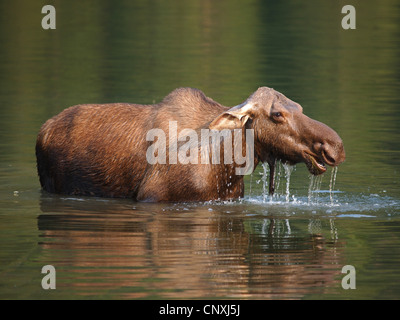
(102, 150)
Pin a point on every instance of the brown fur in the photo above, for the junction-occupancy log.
(100, 150)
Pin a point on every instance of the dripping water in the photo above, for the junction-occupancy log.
(264, 180)
(277, 178)
(251, 181)
(285, 171)
(332, 183)
(280, 167)
(314, 188)
(288, 171)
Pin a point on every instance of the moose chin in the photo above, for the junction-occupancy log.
(129, 150)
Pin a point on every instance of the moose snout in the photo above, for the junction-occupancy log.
(331, 152)
(333, 155)
(326, 144)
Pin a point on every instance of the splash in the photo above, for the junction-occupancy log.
(318, 195)
(322, 197)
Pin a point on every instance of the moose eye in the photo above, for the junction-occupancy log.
(278, 116)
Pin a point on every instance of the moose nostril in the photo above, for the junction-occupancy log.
(328, 158)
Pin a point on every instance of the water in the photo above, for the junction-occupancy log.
(332, 183)
(292, 245)
(314, 188)
(288, 171)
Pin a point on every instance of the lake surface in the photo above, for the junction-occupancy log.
(290, 246)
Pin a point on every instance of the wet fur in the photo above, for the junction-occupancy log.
(100, 150)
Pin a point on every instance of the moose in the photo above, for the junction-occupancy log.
(103, 149)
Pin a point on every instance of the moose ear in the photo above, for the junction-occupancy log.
(234, 118)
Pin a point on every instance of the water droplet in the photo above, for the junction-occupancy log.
(288, 171)
(265, 180)
(332, 183)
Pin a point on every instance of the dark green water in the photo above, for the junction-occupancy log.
(257, 248)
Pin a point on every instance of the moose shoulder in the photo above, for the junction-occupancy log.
(185, 148)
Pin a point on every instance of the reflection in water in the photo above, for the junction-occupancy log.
(168, 251)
